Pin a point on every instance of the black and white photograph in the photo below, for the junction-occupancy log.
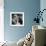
(17, 18)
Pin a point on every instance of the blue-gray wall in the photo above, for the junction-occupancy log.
(29, 7)
(43, 6)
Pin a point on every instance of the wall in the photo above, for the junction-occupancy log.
(43, 6)
(1, 21)
(29, 7)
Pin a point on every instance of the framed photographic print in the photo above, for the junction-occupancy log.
(16, 18)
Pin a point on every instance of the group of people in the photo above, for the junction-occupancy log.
(17, 19)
